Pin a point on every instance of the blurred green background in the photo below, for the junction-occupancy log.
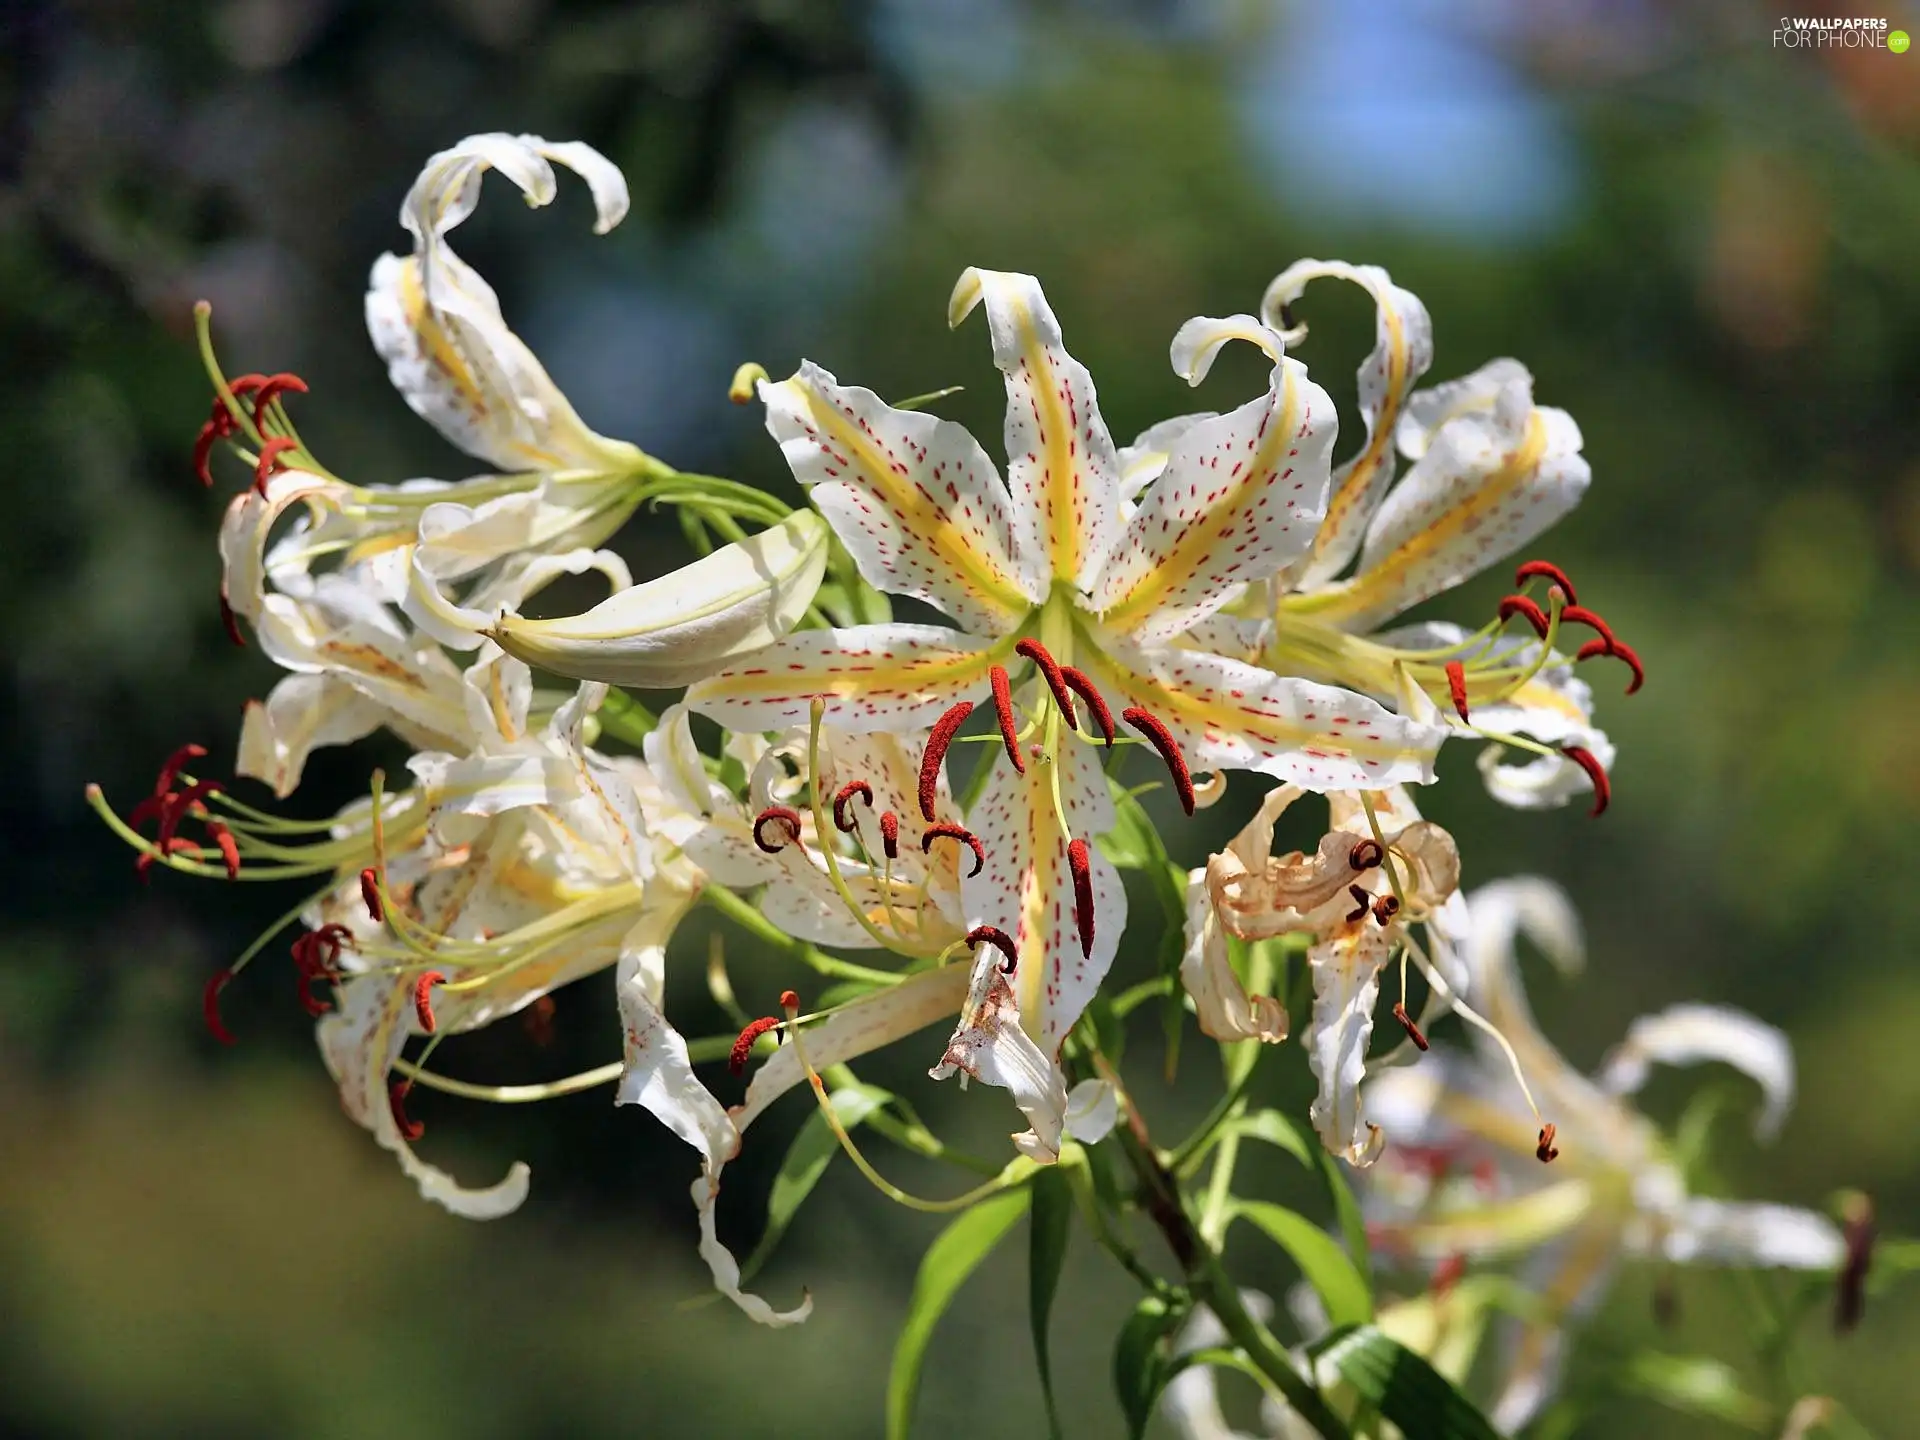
(1704, 248)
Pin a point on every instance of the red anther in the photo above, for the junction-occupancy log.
(993, 935)
(173, 846)
(1362, 903)
(308, 967)
(1447, 1273)
(737, 1057)
(537, 1021)
(1366, 854)
(423, 999)
(370, 895)
(1545, 1151)
(947, 830)
(177, 807)
(229, 849)
(789, 1000)
(1618, 650)
(1602, 787)
(1385, 908)
(1408, 1024)
(274, 386)
(1054, 676)
(1003, 707)
(203, 443)
(1078, 682)
(148, 809)
(1148, 724)
(1077, 862)
(210, 1006)
(269, 460)
(846, 793)
(1859, 1232)
(332, 939)
(397, 1103)
(175, 763)
(787, 816)
(1520, 605)
(938, 739)
(230, 620)
(1457, 687)
(1531, 568)
(890, 835)
(1580, 615)
(242, 386)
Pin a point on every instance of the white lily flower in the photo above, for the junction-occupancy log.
(1490, 471)
(924, 513)
(1378, 870)
(1465, 1180)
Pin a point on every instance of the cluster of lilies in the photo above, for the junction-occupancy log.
(1217, 595)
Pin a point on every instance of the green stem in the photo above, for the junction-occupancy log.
(750, 919)
(1212, 1286)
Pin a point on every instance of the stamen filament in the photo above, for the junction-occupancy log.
(1002, 1181)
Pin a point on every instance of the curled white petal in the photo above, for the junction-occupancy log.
(1687, 1034)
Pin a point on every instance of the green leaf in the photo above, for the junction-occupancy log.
(1132, 843)
(1401, 1386)
(1346, 1209)
(1321, 1260)
(1141, 1363)
(1276, 1129)
(1052, 1223)
(1695, 1385)
(952, 1257)
(806, 1162)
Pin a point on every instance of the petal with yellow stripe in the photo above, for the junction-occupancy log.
(1228, 715)
(873, 677)
(1026, 887)
(1402, 351)
(1494, 474)
(438, 324)
(913, 497)
(1061, 462)
(1241, 495)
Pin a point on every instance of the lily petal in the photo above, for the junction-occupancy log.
(991, 1045)
(1142, 462)
(1225, 1010)
(1228, 715)
(1061, 463)
(913, 497)
(874, 677)
(301, 714)
(1241, 496)
(1687, 1034)
(438, 324)
(850, 1032)
(1402, 351)
(1720, 1232)
(1346, 983)
(1026, 886)
(1496, 474)
(683, 626)
(359, 1042)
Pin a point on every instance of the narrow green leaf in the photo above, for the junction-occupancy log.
(1346, 1209)
(1052, 1223)
(952, 1257)
(1133, 843)
(1401, 1386)
(1273, 1128)
(1695, 1385)
(1141, 1365)
(1319, 1256)
(807, 1160)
